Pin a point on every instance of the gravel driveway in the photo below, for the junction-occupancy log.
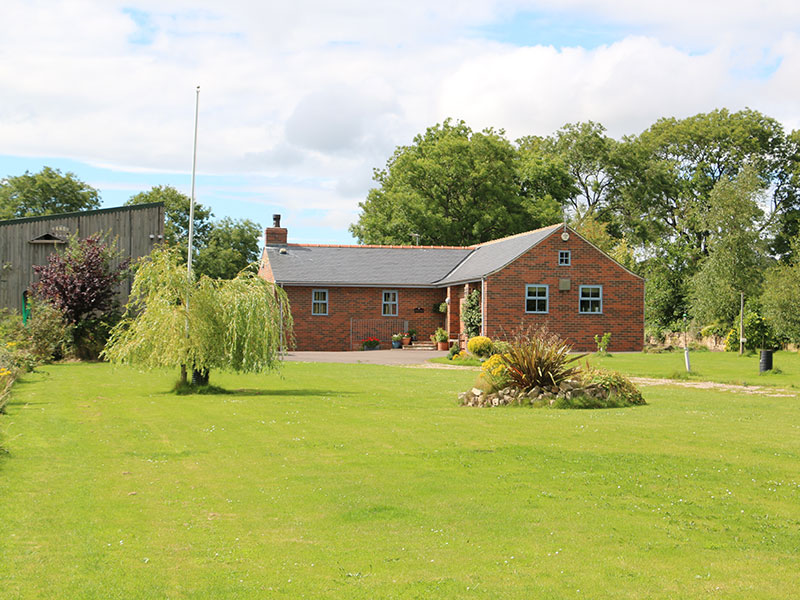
(368, 357)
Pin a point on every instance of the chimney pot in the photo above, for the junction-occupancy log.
(276, 220)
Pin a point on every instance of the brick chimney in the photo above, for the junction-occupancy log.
(275, 235)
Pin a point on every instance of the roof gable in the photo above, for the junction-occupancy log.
(489, 257)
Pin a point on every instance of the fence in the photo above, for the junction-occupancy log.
(383, 329)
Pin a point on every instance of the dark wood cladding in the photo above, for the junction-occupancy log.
(24, 242)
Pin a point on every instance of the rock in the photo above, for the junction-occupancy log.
(477, 392)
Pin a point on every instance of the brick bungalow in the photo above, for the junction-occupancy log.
(341, 294)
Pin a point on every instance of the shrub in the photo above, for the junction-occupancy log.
(602, 342)
(454, 350)
(500, 347)
(618, 388)
(715, 329)
(537, 357)
(480, 346)
(471, 314)
(757, 332)
(440, 335)
(50, 338)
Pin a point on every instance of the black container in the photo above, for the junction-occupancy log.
(765, 364)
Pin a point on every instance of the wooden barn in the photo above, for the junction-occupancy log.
(29, 241)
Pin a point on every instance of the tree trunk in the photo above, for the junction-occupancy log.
(199, 377)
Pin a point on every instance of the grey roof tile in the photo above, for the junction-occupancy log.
(396, 265)
(492, 256)
(354, 265)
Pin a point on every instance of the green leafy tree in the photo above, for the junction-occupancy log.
(664, 178)
(735, 260)
(586, 151)
(238, 325)
(781, 295)
(176, 216)
(665, 286)
(47, 192)
(452, 186)
(232, 246)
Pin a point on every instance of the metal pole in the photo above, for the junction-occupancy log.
(184, 374)
(686, 346)
(741, 325)
(194, 171)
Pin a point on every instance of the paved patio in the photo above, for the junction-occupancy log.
(368, 357)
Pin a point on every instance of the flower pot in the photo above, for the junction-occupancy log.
(397, 344)
(406, 341)
(442, 346)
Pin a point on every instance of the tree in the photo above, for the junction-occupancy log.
(239, 324)
(585, 150)
(735, 260)
(232, 246)
(664, 177)
(452, 186)
(82, 282)
(45, 193)
(176, 216)
(781, 295)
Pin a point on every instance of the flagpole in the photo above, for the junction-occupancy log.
(184, 374)
(194, 171)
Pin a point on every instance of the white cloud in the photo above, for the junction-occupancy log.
(321, 93)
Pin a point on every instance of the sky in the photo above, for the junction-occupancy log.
(300, 101)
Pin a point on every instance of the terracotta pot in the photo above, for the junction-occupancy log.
(442, 346)
(406, 341)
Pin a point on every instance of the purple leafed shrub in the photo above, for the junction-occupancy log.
(81, 281)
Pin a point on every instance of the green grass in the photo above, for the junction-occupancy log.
(361, 481)
(723, 367)
(461, 362)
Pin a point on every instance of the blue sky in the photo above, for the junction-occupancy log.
(300, 102)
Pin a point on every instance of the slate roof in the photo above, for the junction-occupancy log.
(492, 256)
(366, 265)
(396, 266)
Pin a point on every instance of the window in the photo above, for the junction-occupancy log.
(536, 298)
(591, 299)
(319, 302)
(389, 308)
(564, 258)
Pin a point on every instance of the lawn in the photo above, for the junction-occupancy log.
(722, 367)
(361, 481)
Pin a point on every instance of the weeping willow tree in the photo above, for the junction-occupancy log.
(237, 325)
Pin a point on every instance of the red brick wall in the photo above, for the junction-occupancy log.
(331, 332)
(623, 296)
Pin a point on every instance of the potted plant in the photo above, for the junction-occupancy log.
(413, 333)
(397, 340)
(407, 338)
(440, 337)
(370, 343)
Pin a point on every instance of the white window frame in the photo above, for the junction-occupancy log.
(590, 300)
(391, 304)
(322, 303)
(564, 258)
(536, 298)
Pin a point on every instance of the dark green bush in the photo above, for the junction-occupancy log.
(536, 357)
